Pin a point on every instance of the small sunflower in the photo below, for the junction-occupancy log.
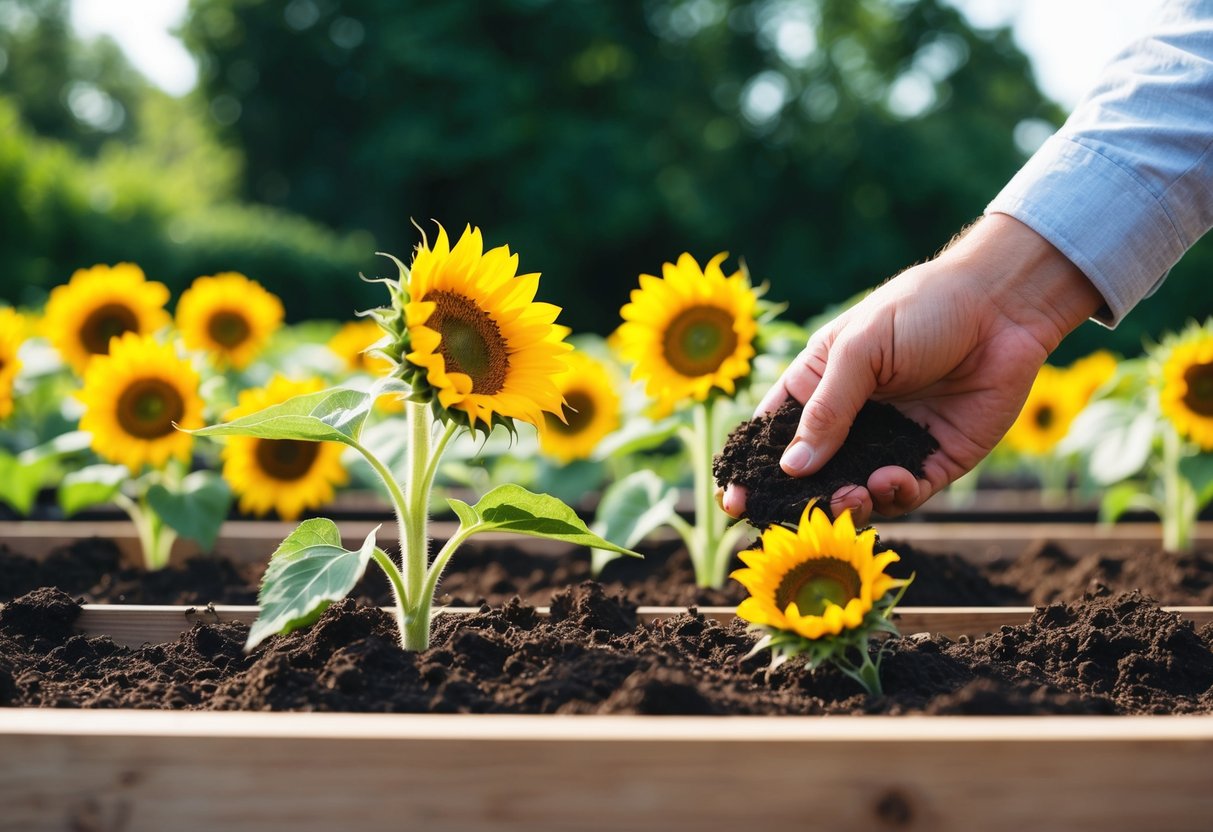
(1050, 408)
(591, 410)
(135, 398)
(1091, 372)
(285, 475)
(690, 331)
(12, 332)
(229, 317)
(816, 581)
(99, 304)
(469, 335)
(1186, 396)
(351, 343)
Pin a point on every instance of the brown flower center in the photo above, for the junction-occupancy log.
(104, 323)
(149, 407)
(1043, 417)
(816, 583)
(578, 411)
(1199, 396)
(228, 329)
(286, 459)
(471, 341)
(699, 339)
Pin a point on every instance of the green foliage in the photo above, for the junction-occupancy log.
(92, 485)
(631, 508)
(333, 415)
(308, 571)
(195, 509)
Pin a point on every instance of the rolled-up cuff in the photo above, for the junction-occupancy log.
(1100, 216)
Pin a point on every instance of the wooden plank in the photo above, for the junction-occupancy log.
(138, 771)
(134, 625)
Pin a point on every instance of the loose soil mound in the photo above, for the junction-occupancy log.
(1104, 654)
(880, 436)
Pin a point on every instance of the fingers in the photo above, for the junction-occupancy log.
(857, 499)
(731, 500)
(896, 491)
(799, 380)
(846, 383)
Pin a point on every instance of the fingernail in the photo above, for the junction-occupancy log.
(797, 457)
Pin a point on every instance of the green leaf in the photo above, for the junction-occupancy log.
(631, 509)
(511, 508)
(638, 435)
(467, 515)
(91, 486)
(309, 571)
(20, 481)
(1123, 497)
(72, 442)
(197, 509)
(1198, 470)
(1116, 435)
(334, 415)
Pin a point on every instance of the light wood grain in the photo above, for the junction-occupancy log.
(136, 771)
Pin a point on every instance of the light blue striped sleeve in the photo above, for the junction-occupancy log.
(1126, 186)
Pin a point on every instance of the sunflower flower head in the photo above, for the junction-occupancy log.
(99, 304)
(467, 335)
(689, 332)
(229, 317)
(820, 590)
(1052, 403)
(135, 398)
(1185, 380)
(12, 333)
(1089, 373)
(288, 476)
(591, 410)
(352, 344)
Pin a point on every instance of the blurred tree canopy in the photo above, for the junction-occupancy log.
(828, 143)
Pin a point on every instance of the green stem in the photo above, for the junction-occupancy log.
(866, 674)
(708, 517)
(155, 538)
(436, 456)
(415, 541)
(392, 571)
(1178, 500)
(397, 496)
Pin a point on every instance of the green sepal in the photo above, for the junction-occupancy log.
(308, 572)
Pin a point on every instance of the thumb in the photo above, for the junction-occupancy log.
(846, 384)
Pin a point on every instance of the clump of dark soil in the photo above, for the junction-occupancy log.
(880, 436)
(1103, 654)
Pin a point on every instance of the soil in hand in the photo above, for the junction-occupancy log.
(880, 436)
(1103, 654)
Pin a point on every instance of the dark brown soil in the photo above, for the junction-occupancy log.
(89, 570)
(880, 436)
(1101, 655)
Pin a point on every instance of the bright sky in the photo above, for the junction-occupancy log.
(1068, 42)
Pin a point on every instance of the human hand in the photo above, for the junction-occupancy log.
(954, 344)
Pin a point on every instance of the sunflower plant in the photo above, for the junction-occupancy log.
(821, 591)
(1150, 439)
(135, 396)
(690, 338)
(470, 350)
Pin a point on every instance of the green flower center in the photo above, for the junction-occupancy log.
(699, 339)
(104, 323)
(471, 341)
(816, 583)
(228, 329)
(286, 460)
(578, 410)
(1199, 396)
(1044, 417)
(149, 407)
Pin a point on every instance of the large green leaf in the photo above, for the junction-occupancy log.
(91, 486)
(1198, 470)
(637, 436)
(1116, 436)
(195, 510)
(20, 481)
(511, 508)
(333, 415)
(631, 509)
(309, 571)
(1125, 496)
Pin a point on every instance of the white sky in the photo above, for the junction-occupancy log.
(1068, 40)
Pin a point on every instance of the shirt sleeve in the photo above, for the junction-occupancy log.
(1126, 186)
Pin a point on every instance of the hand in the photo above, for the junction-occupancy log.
(954, 344)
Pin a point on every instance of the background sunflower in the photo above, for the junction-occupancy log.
(478, 342)
(690, 331)
(135, 399)
(1053, 402)
(12, 331)
(1186, 393)
(591, 410)
(283, 475)
(229, 317)
(98, 304)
